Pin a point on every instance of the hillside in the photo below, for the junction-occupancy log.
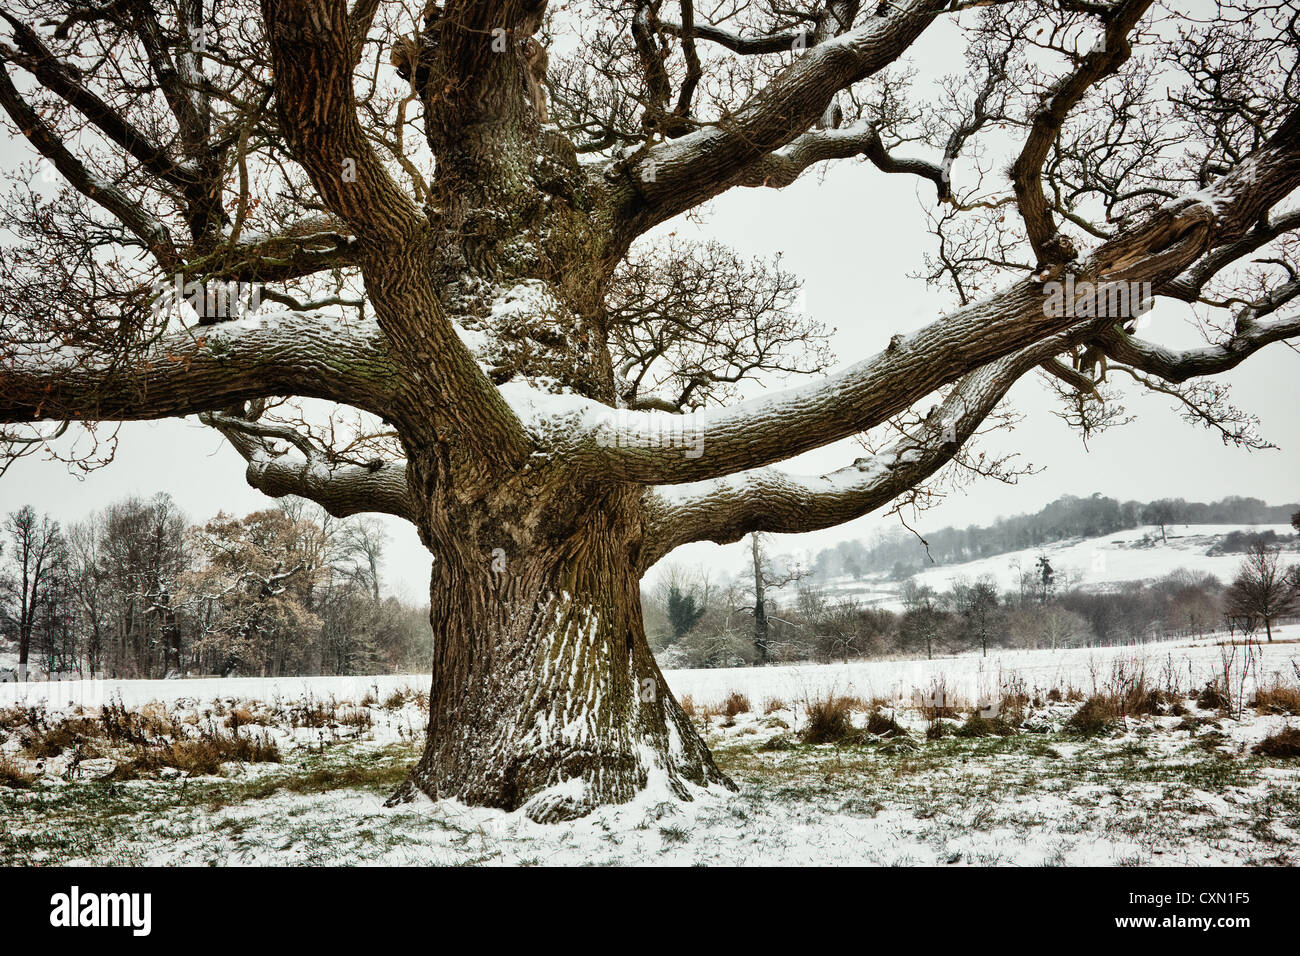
(1094, 564)
(1067, 519)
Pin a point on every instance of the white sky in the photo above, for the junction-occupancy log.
(853, 237)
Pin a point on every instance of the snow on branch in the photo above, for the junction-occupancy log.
(200, 369)
(770, 500)
(340, 487)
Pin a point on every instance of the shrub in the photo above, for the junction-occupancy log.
(688, 705)
(772, 705)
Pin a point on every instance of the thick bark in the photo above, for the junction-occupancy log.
(545, 694)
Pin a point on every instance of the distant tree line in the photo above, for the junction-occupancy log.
(902, 554)
(694, 623)
(138, 591)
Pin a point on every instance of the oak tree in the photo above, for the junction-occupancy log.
(402, 266)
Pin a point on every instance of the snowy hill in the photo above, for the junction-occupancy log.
(1093, 564)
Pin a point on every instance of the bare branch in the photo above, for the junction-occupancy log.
(151, 232)
(769, 500)
(1063, 96)
(341, 488)
(783, 166)
(1178, 365)
(657, 184)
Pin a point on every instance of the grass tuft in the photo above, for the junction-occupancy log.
(977, 726)
(736, 703)
(1096, 716)
(828, 720)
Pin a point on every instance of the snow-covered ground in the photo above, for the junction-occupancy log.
(971, 675)
(1184, 788)
(1095, 564)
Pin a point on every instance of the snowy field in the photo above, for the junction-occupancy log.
(970, 675)
(1180, 786)
(973, 676)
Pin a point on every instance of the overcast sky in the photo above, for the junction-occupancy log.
(853, 236)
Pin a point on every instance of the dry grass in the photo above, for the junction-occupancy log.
(828, 720)
(977, 726)
(736, 703)
(201, 757)
(136, 728)
(1278, 699)
(397, 699)
(1284, 743)
(688, 706)
(1097, 716)
(46, 740)
(1213, 698)
(1127, 692)
(884, 725)
(772, 705)
(249, 717)
(939, 700)
(13, 717)
(315, 715)
(13, 776)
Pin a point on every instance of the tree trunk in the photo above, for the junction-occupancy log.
(24, 642)
(761, 644)
(545, 694)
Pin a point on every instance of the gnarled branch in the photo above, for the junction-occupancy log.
(768, 499)
(203, 369)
